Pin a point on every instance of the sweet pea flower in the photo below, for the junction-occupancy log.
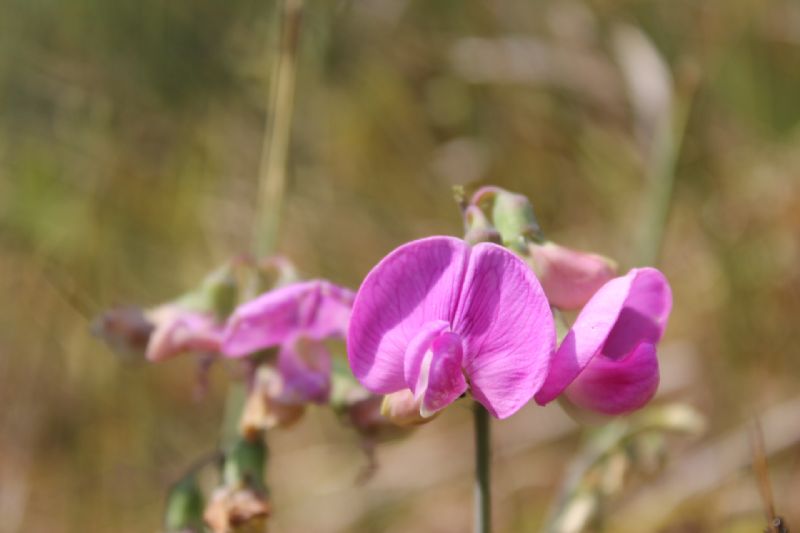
(440, 317)
(569, 277)
(607, 361)
(296, 318)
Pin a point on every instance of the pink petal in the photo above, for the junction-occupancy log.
(305, 366)
(416, 284)
(419, 346)
(441, 380)
(315, 309)
(507, 329)
(570, 277)
(331, 316)
(625, 312)
(616, 387)
(178, 331)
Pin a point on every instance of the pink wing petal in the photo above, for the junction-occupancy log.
(626, 311)
(269, 320)
(507, 328)
(651, 296)
(331, 315)
(616, 387)
(416, 284)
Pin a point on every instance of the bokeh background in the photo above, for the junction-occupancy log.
(130, 140)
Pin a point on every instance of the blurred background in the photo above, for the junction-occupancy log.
(652, 132)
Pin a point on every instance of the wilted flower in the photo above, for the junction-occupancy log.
(440, 317)
(607, 362)
(569, 277)
(126, 329)
(267, 406)
(237, 509)
(296, 319)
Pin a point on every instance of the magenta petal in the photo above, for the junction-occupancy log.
(651, 295)
(625, 312)
(417, 348)
(316, 309)
(616, 387)
(330, 316)
(507, 328)
(305, 366)
(441, 379)
(416, 284)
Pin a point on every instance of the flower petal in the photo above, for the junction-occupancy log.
(416, 284)
(419, 346)
(305, 366)
(441, 380)
(616, 387)
(316, 309)
(331, 315)
(570, 277)
(507, 329)
(626, 311)
(178, 331)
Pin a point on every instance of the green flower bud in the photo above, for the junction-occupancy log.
(184, 510)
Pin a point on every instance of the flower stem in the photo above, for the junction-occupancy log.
(275, 150)
(483, 499)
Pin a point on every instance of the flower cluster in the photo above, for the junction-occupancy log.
(262, 314)
(437, 319)
(440, 317)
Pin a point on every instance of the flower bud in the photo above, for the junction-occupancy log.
(512, 215)
(477, 227)
(217, 294)
(402, 409)
(569, 277)
(184, 512)
(275, 272)
(245, 463)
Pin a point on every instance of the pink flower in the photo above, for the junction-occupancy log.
(440, 317)
(607, 362)
(296, 318)
(569, 277)
(177, 330)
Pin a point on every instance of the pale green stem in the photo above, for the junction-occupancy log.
(483, 499)
(272, 171)
(661, 174)
(275, 150)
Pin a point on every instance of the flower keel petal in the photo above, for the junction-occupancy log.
(617, 387)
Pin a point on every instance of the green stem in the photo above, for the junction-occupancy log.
(275, 150)
(483, 499)
(661, 174)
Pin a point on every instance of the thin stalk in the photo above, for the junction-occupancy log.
(661, 173)
(275, 149)
(483, 498)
